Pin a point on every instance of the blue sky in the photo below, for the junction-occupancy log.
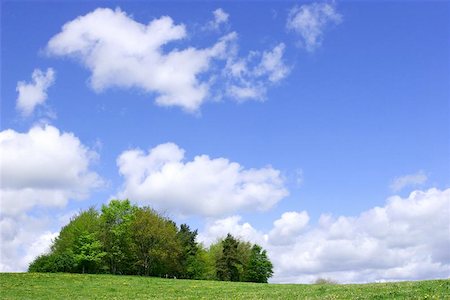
(353, 109)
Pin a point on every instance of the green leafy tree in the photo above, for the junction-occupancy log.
(155, 243)
(244, 251)
(209, 258)
(259, 267)
(61, 258)
(85, 221)
(88, 252)
(116, 218)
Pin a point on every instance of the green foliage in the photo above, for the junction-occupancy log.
(86, 221)
(191, 266)
(208, 258)
(259, 266)
(76, 286)
(155, 243)
(126, 239)
(115, 220)
(88, 252)
(53, 262)
(229, 266)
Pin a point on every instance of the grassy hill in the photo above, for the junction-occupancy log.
(77, 286)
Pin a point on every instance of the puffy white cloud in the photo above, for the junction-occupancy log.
(43, 167)
(415, 179)
(309, 22)
(288, 227)
(220, 228)
(407, 239)
(22, 239)
(34, 93)
(121, 52)
(204, 186)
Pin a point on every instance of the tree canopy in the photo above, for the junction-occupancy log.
(123, 238)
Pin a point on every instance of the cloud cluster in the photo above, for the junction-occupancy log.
(43, 167)
(121, 52)
(203, 186)
(416, 179)
(310, 20)
(34, 93)
(22, 239)
(248, 77)
(407, 239)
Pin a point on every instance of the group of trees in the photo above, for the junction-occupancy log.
(125, 239)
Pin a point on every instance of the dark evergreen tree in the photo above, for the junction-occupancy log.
(229, 265)
(259, 267)
(190, 266)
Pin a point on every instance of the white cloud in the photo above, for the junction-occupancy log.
(288, 227)
(204, 186)
(272, 64)
(124, 53)
(34, 93)
(246, 92)
(220, 228)
(401, 182)
(220, 18)
(248, 78)
(22, 239)
(121, 52)
(43, 167)
(407, 239)
(309, 21)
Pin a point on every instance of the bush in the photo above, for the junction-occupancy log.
(325, 281)
(52, 263)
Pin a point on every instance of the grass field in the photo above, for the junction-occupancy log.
(77, 286)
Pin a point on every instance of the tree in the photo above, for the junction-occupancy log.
(190, 266)
(259, 267)
(88, 252)
(84, 222)
(244, 251)
(210, 257)
(116, 218)
(229, 265)
(126, 239)
(61, 258)
(155, 243)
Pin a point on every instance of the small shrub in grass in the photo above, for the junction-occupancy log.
(325, 281)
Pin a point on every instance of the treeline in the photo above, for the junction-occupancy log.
(126, 239)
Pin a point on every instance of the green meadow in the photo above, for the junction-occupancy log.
(79, 286)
